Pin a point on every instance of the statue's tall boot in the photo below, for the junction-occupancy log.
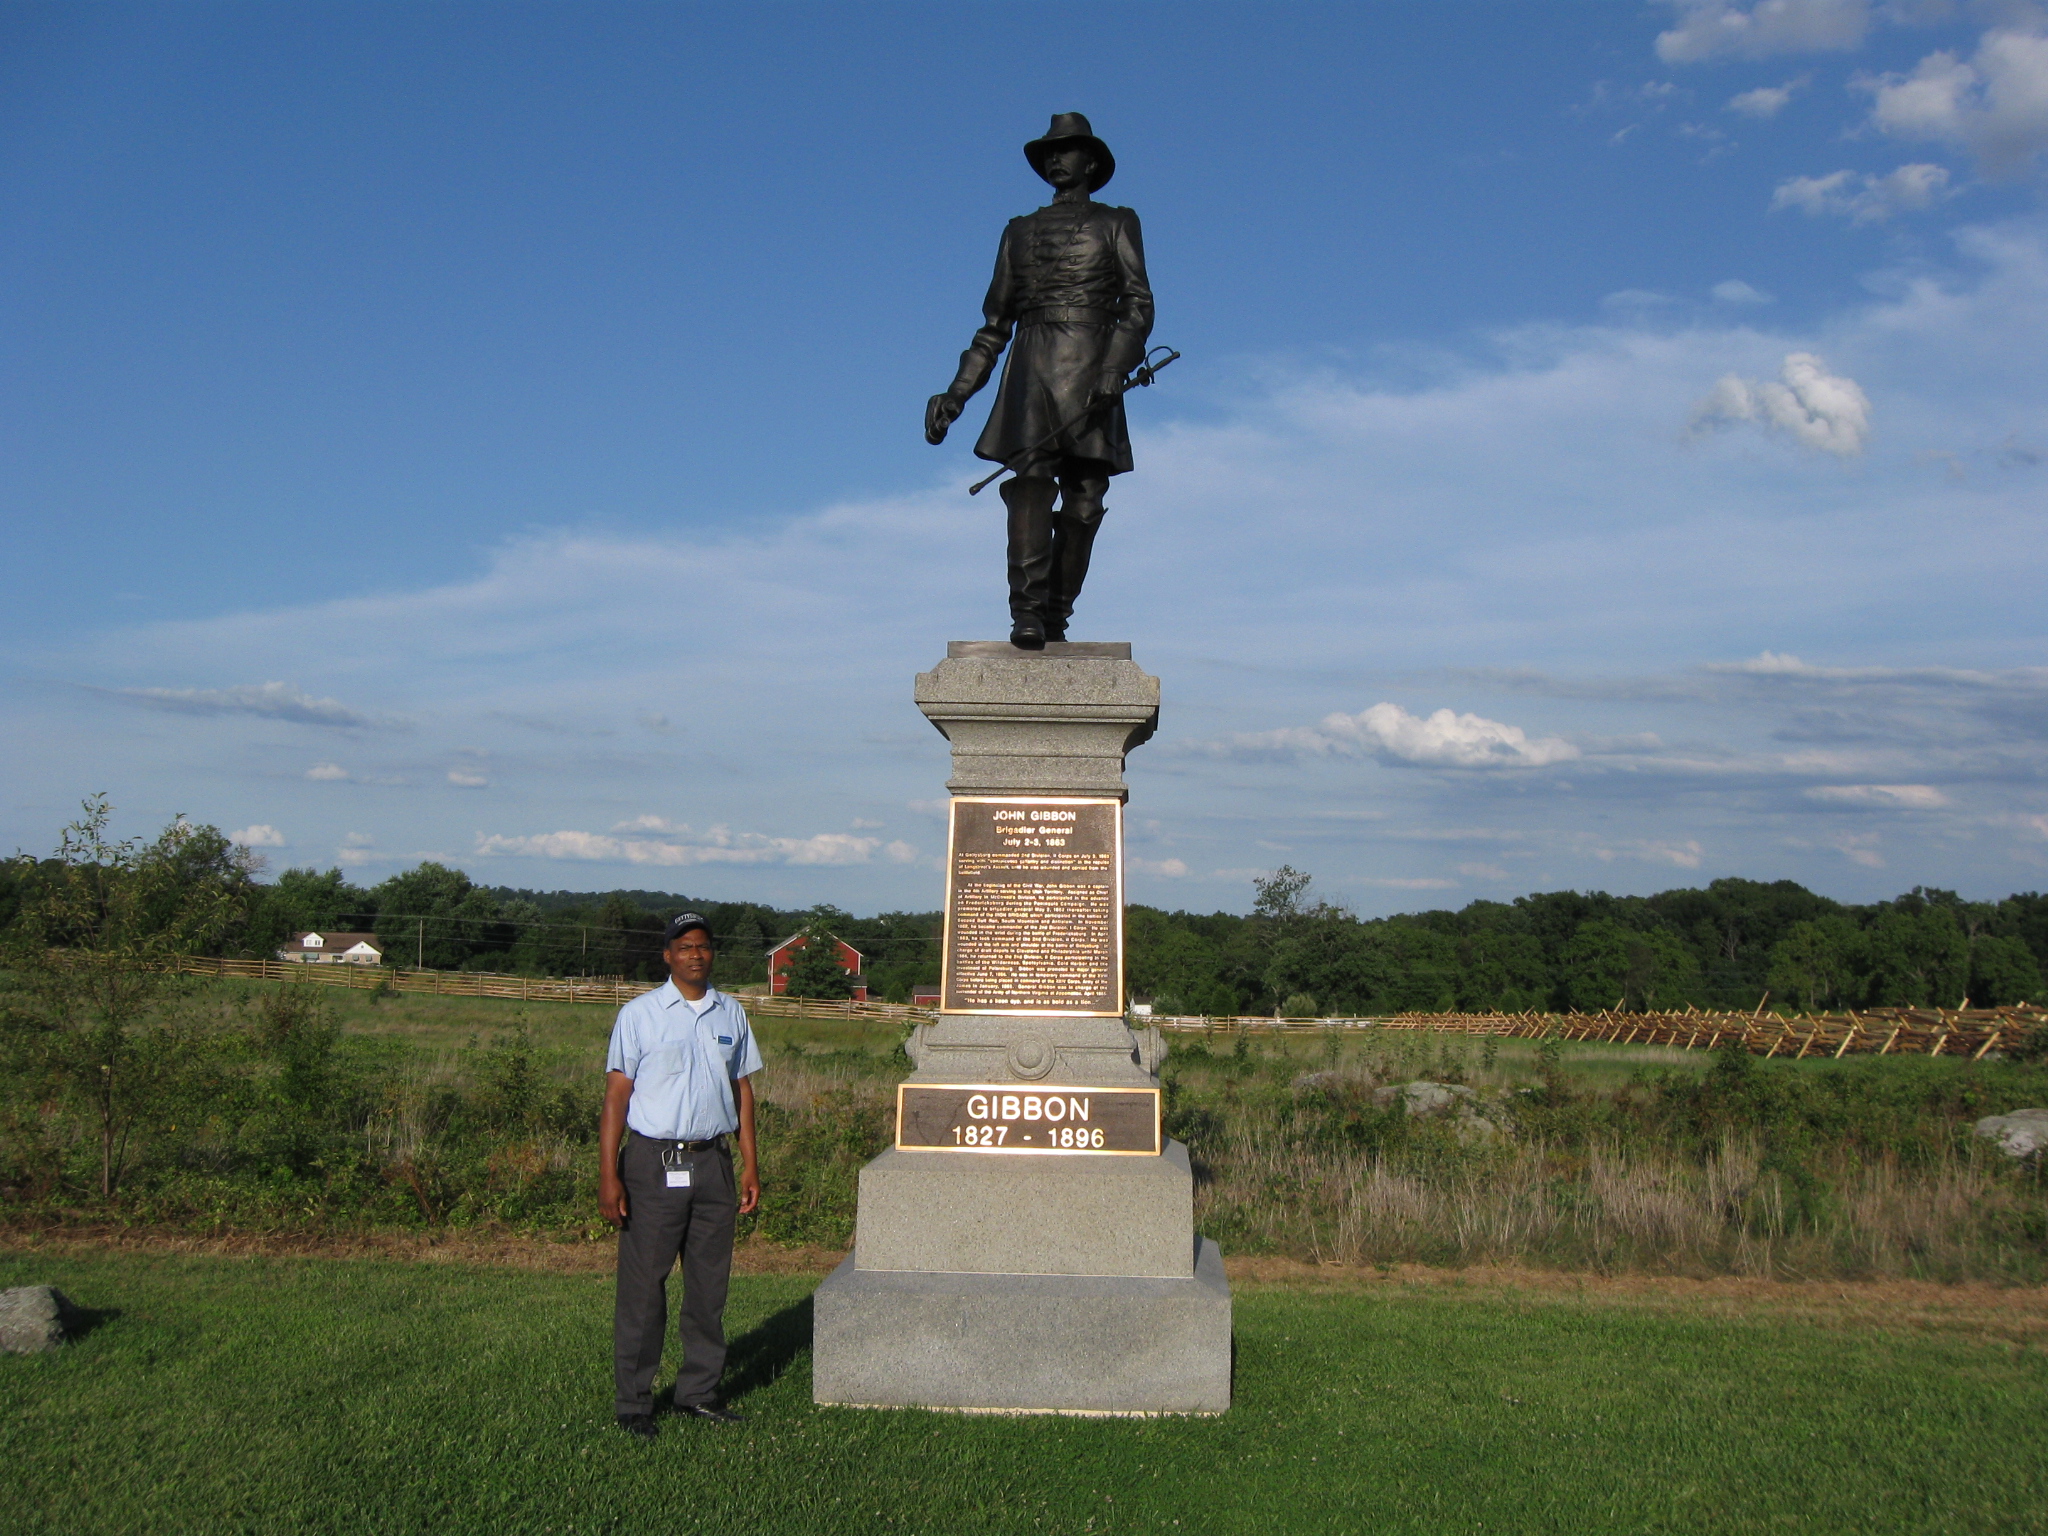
(1073, 542)
(1030, 502)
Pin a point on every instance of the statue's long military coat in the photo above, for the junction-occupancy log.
(1070, 279)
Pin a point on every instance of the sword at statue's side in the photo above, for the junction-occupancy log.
(1140, 378)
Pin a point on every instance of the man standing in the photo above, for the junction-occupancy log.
(1071, 279)
(677, 1085)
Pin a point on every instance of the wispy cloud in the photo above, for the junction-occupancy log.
(1865, 199)
(259, 835)
(1444, 739)
(270, 701)
(716, 845)
(1768, 100)
(1908, 797)
(1710, 29)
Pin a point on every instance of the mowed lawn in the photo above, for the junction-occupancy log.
(274, 1394)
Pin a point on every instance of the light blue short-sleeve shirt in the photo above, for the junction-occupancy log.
(683, 1062)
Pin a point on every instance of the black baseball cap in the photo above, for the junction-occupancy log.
(682, 924)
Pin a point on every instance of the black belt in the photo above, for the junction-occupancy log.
(687, 1146)
(1053, 314)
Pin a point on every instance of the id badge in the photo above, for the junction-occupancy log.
(678, 1178)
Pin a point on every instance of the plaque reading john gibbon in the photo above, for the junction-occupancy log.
(1034, 906)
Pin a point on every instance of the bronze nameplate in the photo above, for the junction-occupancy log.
(1034, 906)
(1008, 1117)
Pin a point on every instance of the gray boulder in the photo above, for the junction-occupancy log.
(2019, 1134)
(1462, 1106)
(32, 1319)
(1335, 1084)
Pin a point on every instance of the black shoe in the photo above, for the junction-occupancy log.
(1028, 633)
(640, 1426)
(1055, 633)
(711, 1411)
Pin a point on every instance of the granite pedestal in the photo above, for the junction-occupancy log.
(1053, 1283)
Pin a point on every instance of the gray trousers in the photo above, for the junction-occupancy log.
(660, 1223)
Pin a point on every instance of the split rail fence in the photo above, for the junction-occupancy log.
(1971, 1032)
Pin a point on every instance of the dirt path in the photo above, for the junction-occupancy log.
(2016, 1315)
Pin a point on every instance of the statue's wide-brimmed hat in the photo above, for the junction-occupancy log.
(1072, 128)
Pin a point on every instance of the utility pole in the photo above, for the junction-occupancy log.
(419, 951)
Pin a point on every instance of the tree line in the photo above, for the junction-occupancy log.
(1734, 944)
(437, 918)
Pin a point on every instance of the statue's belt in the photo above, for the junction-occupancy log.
(1067, 314)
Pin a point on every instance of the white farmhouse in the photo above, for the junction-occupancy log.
(333, 949)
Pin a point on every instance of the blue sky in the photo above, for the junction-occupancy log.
(1609, 450)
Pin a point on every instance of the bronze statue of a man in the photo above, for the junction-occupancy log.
(1070, 279)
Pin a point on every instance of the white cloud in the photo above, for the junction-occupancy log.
(1909, 797)
(261, 835)
(1444, 739)
(1685, 855)
(273, 701)
(358, 849)
(900, 852)
(717, 845)
(1482, 871)
(1735, 291)
(464, 779)
(1819, 409)
(1767, 100)
(327, 773)
(1865, 199)
(1716, 28)
(1169, 869)
(1996, 105)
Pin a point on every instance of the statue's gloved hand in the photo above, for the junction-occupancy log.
(940, 412)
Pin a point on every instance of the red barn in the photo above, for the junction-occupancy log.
(780, 956)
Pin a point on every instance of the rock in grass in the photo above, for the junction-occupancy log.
(2019, 1134)
(1462, 1106)
(32, 1319)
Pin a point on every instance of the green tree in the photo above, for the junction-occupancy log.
(2003, 970)
(99, 1018)
(432, 916)
(816, 970)
(299, 901)
(1816, 964)
(1502, 969)
(1607, 964)
(1917, 956)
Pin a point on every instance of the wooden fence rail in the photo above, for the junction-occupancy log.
(1971, 1032)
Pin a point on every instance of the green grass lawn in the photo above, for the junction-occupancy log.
(307, 1395)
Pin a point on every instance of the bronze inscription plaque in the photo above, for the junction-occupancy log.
(1034, 907)
(1011, 1117)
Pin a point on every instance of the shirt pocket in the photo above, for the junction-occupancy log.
(664, 1063)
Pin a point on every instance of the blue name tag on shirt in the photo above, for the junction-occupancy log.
(725, 1039)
